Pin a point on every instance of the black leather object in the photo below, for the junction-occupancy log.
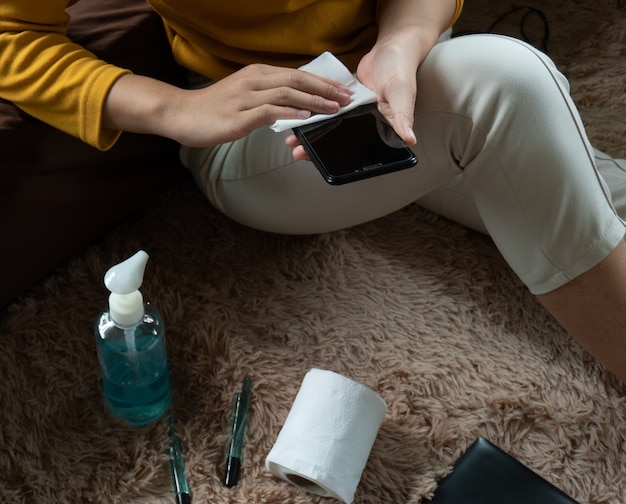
(485, 474)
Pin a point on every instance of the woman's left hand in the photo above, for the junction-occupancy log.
(390, 70)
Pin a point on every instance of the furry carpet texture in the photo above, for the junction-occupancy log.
(421, 310)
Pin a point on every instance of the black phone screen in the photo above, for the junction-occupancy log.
(356, 145)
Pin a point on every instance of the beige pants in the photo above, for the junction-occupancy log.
(501, 149)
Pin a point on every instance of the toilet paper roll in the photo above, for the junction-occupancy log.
(327, 437)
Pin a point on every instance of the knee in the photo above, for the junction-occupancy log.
(496, 66)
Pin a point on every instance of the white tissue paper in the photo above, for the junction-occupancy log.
(326, 440)
(327, 65)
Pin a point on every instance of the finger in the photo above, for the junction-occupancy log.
(291, 98)
(404, 128)
(288, 79)
(401, 122)
(266, 114)
(299, 154)
(316, 84)
(404, 131)
(292, 141)
(329, 88)
(298, 151)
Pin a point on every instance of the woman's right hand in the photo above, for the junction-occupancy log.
(229, 109)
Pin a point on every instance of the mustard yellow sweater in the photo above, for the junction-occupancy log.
(64, 85)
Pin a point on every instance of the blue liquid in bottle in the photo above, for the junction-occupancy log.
(133, 362)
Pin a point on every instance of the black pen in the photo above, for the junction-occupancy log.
(237, 432)
(177, 466)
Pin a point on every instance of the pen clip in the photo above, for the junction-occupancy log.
(240, 409)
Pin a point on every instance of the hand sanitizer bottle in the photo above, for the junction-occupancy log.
(130, 338)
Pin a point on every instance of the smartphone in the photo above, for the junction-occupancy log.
(356, 145)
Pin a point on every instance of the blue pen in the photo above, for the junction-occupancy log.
(237, 432)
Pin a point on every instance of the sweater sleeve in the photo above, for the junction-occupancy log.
(48, 76)
(457, 12)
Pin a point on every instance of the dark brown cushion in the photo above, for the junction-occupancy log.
(59, 194)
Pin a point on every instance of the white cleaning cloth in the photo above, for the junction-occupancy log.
(327, 65)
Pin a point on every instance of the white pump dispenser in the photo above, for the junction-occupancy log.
(123, 280)
(130, 339)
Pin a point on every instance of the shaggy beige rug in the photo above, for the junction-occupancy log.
(421, 310)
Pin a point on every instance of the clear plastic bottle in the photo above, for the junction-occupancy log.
(130, 339)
